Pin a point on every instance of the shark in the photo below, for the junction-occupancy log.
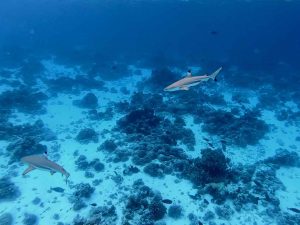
(189, 80)
(43, 163)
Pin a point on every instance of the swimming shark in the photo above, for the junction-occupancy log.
(190, 80)
(43, 163)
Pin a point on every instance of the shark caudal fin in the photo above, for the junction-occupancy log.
(214, 74)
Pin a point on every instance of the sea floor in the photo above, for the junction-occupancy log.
(66, 120)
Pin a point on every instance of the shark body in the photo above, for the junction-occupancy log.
(43, 163)
(189, 81)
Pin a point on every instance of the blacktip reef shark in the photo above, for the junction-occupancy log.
(185, 83)
(43, 163)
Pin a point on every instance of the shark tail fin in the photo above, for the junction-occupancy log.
(214, 74)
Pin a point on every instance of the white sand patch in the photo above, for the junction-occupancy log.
(290, 197)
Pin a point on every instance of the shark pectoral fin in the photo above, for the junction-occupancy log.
(29, 169)
(184, 88)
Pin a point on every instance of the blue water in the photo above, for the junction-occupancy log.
(82, 84)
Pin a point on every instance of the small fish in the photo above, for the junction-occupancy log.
(257, 183)
(93, 204)
(210, 145)
(294, 210)
(213, 32)
(205, 139)
(58, 189)
(167, 201)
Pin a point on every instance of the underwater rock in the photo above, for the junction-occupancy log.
(240, 131)
(89, 101)
(71, 85)
(31, 70)
(175, 211)
(154, 170)
(121, 155)
(30, 219)
(103, 215)
(130, 170)
(209, 215)
(83, 190)
(81, 162)
(88, 174)
(25, 100)
(38, 131)
(108, 145)
(224, 212)
(6, 219)
(159, 79)
(284, 158)
(98, 166)
(140, 100)
(111, 70)
(78, 204)
(211, 167)
(8, 190)
(86, 136)
(124, 91)
(36, 201)
(141, 121)
(156, 209)
(143, 205)
(24, 147)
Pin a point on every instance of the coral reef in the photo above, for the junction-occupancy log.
(6, 219)
(24, 147)
(139, 121)
(284, 158)
(212, 167)
(240, 131)
(175, 211)
(103, 215)
(31, 70)
(160, 78)
(144, 206)
(86, 136)
(82, 191)
(24, 99)
(73, 85)
(89, 101)
(8, 190)
(108, 145)
(38, 131)
(83, 164)
(30, 219)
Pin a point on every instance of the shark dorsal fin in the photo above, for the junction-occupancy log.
(189, 73)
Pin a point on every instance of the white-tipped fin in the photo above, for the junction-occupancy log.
(184, 88)
(189, 73)
(214, 74)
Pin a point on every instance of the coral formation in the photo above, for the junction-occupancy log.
(89, 101)
(24, 99)
(24, 147)
(86, 136)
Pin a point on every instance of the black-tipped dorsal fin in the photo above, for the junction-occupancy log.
(189, 73)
